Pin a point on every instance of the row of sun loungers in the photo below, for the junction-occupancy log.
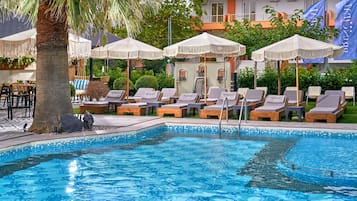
(329, 106)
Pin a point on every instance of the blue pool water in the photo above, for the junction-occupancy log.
(192, 164)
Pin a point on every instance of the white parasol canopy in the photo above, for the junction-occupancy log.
(127, 48)
(24, 44)
(204, 45)
(297, 47)
(207, 46)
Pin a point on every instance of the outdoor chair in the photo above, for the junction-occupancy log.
(213, 95)
(179, 108)
(254, 98)
(273, 108)
(242, 91)
(138, 95)
(114, 97)
(215, 110)
(350, 93)
(340, 93)
(168, 95)
(312, 93)
(290, 93)
(139, 108)
(4, 93)
(290, 88)
(328, 108)
(21, 96)
(81, 88)
(265, 89)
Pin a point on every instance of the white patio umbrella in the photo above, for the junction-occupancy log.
(297, 47)
(24, 44)
(207, 46)
(127, 48)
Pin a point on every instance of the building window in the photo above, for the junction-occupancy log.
(217, 12)
(182, 75)
(220, 74)
(201, 70)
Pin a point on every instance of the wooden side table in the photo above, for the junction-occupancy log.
(195, 106)
(152, 106)
(299, 110)
(236, 110)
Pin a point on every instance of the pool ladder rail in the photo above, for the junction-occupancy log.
(225, 103)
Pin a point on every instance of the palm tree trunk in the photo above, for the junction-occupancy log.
(52, 86)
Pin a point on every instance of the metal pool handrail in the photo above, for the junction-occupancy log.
(220, 115)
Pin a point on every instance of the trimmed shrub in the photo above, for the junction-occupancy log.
(165, 81)
(246, 78)
(270, 80)
(97, 89)
(147, 81)
(120, 83)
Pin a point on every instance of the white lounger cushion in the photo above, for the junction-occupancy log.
(269, 108)
(175, 105)
(140, 104)
(326, 110)
(95, 102)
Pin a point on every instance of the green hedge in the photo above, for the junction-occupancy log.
(147, 81)
(332, 79)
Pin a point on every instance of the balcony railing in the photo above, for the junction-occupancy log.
(230, 17)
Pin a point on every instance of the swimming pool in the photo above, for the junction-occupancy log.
(185, 162)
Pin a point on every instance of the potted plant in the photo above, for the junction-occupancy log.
(97, 90)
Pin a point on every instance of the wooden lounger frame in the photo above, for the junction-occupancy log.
(328, 117)
(96, 109)
(136, 111)
(177, 112)
(272, 115)
(204, 114)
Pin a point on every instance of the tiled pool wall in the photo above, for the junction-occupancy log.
(259, 131)
(73, 144)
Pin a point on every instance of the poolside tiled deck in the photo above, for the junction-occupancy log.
(12, 134)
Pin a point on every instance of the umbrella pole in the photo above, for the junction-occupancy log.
(128, 77)
(297, 80)
(279, 81)
(205, 79)
(255, 74)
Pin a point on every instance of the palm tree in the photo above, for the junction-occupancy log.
(54, 19)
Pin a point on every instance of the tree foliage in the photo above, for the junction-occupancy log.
(154, 27)
(255, 37)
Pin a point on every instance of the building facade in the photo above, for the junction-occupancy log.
(219, 11)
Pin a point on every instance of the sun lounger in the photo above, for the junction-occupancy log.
(291, 95)
(138, 95)
(139, 108)
(327, 108)
(179, 108)
(273, 108)
(213, 95)
(340, 93)
(242, 91)
(312, 93)
(115, 97)
(215, 110)
(168, 94)
(254, 98)
(265, 89)
(350, 93)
